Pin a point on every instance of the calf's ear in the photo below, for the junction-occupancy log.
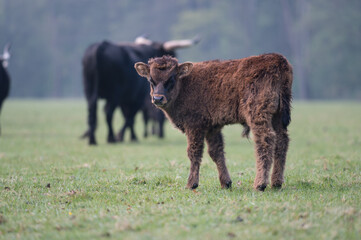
(185, 69)
(142, 69)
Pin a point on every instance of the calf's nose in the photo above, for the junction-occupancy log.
(158, 99)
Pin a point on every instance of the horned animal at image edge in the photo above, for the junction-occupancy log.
(201, 98)
(4, 76)
(108, 73)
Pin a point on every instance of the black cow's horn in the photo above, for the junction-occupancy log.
(171, 45)
(143, 39)
(6, 53)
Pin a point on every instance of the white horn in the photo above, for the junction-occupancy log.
(143, 40)
(6, 53)
(171, 45)
(6, 56)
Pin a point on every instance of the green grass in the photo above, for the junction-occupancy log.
(54, 186)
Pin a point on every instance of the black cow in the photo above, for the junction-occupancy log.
(108, 73)
(4, 76)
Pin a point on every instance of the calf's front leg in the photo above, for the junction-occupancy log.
(214, 140)
(195, 151)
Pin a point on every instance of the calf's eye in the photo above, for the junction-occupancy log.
(170, 83)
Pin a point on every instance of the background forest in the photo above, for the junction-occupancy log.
(321, 38)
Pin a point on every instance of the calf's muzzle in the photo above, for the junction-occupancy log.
(159, 100)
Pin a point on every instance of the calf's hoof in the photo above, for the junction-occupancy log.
(261, 187)
(277, 185)
(111, 140)
(227, 185)
(192, 186)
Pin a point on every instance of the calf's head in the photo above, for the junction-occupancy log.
(165, 77)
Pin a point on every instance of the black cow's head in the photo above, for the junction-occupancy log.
(169, 47)
(164, 75)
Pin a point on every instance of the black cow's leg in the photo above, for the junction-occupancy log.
(121, 133)
(92, 121)
(125, 111)
(85, 134)
(1, 102)
(145, 119)
(129, 123)
(129, 114)
(195, 151)
(161, 126)
(154, 127)
(214, 140)
(133, 137)
(109, 112)
(0, 113)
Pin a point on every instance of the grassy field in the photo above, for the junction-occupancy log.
(54, 186)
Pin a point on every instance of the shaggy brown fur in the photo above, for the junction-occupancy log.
(200, 98)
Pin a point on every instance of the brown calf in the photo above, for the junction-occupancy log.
(200, 98)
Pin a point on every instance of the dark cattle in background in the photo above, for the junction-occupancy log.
(156, 116)
(4, 76)
(201, 98)
(108, 73)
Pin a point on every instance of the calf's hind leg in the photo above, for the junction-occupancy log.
(264, 137)
(195, 152)
(280, 151)
(214, 140)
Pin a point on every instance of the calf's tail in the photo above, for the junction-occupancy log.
(286, 110)
(286, 93)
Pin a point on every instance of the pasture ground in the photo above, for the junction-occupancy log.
(54, 186)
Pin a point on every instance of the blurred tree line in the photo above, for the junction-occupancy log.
(321, 38)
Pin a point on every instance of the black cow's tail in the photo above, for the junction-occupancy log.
(286, 93)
